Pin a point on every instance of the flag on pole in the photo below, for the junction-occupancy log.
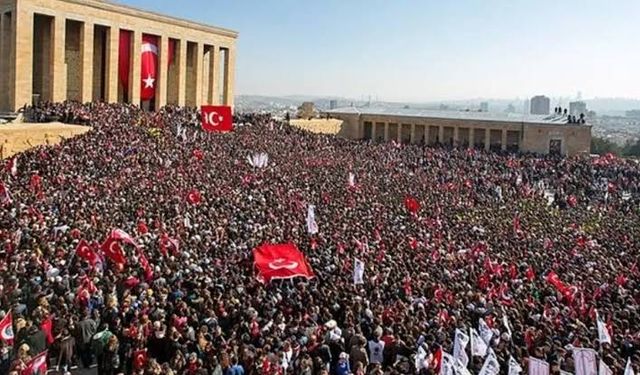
(603, 333)
(478, 346)
(491, 365)
(505, 323)
(6, 329)
(514, 366)
(628, 370)
(460, 347)
(358, 272)
(447, 364)
(485, 332)
(352, 180)
(312, 226)
(585, 361)
(603, 369)
(460, 369)
(37, 365)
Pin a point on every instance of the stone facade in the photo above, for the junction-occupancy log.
(565, 139)
(68, 49)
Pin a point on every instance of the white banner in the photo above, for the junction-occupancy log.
(628, 370)
(485, 331)
(603, 369)
(358, 271)
(478, 346)
(585, 361)
(538, 367)
(514, 366)
(491, 365)
(460, 346)
(312, 226)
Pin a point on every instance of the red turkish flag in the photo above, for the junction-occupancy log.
(216, 118)
(140, 359)
(112, 250)
(412, 204)
(84, 251)
(194, 197)
(281, 261)
(37, 365)
(6, 329)
(149, 68)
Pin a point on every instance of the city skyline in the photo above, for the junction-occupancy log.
(414, 51)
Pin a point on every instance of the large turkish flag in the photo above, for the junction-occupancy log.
(281, 261)
(149, 68)
(216, 118)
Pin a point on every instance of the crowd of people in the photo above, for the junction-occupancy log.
(533, 246)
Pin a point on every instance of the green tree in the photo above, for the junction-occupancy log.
(603, 146)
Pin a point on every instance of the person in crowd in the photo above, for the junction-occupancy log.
(539, 247)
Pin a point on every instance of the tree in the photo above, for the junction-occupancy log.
(632, 148)
(603, 146)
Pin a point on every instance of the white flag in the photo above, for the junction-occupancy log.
(485, 331)
(478, 346)
(358, 271)
(13, 163)
(505, 323)
(352, 180)
(446, 366)
(628, 370)
(538, 367)
(460, 369)
(603, 369)
(491, 365)
(585, 361)
(312, 226)
(460, 346)
(421, 359)
(562, 372)
(514, 366)
(603, 333)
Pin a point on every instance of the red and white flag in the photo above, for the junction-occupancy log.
(5, 197)
(168, 243)
(216, 118)
(84, 251)
(412, 204)
(37, 365)
(144, 263)
(6, 329)
(604, 337)
(140, 359)
(194, 197)
(111, 246)
(12, 166)
(280, 261)
(149, 67)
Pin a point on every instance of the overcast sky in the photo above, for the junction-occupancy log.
(422, 50)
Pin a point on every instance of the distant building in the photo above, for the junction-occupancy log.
(510, 108)
(634, 113)
(333, 104)
(489, 131)
(578, 107)
(484, 107)
(540, 105)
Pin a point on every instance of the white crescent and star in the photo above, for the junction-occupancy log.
(213, 118)
(281, 263)
(148, 82)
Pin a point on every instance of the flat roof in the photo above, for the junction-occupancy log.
(111, 5)
(552, 119)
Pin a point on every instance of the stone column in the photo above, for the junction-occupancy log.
(441, 134)
(182, 73)
(229, 76)
(59, 69)
(487, 139)
(198, 63)
(86, 51)
(3, 52)
(214, 76)
(472, 137)
(456, 135)
(135, 80)
(386, 132)
(111, 69)
(413, 133)
(503, 143)
(162, 80)
(21, 65)
(373, 130)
